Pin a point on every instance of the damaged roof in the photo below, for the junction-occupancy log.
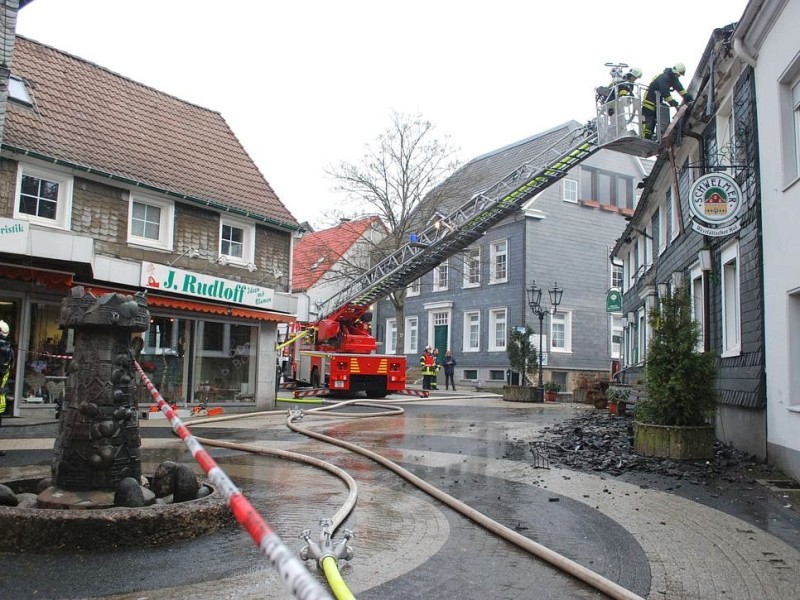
(89, 118)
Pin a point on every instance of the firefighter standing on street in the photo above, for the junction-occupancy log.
(6, 365)
(428, 365)
(659, 94)
(436, 367)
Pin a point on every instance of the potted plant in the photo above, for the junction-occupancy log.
(551, 389)
(522, 358)
(675, 418)
(617, 400)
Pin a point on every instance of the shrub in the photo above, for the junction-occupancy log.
(680, 380)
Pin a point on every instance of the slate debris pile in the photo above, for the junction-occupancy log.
(601, 442)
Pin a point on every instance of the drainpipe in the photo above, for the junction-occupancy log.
(742, 28)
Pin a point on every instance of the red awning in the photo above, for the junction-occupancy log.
(154, 300)
(57, 280)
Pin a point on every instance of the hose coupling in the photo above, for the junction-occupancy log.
(326, 546)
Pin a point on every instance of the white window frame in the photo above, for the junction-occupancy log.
(617, 276)
(562, 317)
(731, 301)
(642, 330)
(795, 97)
(414, 288)
(498, 318)
(697, 294)
(726, 131)
(18, 90)
(411, 338)
(165, 227)
(472, 266)
(472, 320)
(248, 240)
(662, 230)
(441, 277)
(570, 190)
(63, 218)
(498, 254)
(673, 198)
(615, 327)
(391, 336)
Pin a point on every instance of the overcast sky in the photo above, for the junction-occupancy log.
(307, 84)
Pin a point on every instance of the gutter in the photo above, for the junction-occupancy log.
(743, 28)
(207, 203)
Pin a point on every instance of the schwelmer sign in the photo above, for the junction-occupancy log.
(176, 281)
(716, 200)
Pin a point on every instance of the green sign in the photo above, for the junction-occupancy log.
(614, 301)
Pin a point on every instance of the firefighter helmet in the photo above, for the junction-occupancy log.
(633, 73)
(679, 68)
(4, 328)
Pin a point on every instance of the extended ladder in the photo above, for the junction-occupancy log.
(455, 232)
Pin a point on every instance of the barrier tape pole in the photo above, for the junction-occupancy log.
(301, 583)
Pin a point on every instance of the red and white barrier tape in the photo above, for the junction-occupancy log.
(301, 583)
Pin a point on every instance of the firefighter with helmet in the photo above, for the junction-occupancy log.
(6, 365)
(662, 87)
(621, 87)
(427, 363)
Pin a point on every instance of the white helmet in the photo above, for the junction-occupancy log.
(679, 68)
(634, 73)
(4, 328)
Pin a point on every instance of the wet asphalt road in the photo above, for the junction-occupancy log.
(408, 545)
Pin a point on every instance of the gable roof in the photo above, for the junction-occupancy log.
(317, 252)
(92, 119)
(484, 171)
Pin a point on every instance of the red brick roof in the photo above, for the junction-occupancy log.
(95, 119)
(317, 252)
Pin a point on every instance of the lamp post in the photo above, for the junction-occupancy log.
(535, 302)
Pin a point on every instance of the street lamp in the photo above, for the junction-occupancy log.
(535, 302)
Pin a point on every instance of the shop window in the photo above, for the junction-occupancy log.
(225, 362)
(45, 374)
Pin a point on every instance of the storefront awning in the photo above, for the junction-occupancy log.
(57, 280)
(158, 301)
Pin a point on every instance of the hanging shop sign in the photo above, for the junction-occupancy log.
(614, 301)
(207, 287)
(715, 202)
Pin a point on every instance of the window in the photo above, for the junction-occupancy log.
(570, 190)
(641, 328)
(411, 335)
(726, 132)
(499, 262)
(497, 375)
(43, 197)
(617, 277)
(698, 302)
(607, 187)
(675, 214)
(440, 275)
(561, 331)
(150, 222)
(472, 331)
(669, 234)
(731, 323)
(413, 289)
(471, 374)
(662, 230)
(497, 329)
(391, 336)
(615, 346)
(796, 128)
(17, 90)
(236, 240)
(472, 267)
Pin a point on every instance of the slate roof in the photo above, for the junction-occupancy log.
(96, 120)
(484, 171)
(317, 252)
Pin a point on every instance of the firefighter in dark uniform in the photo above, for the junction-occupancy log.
(663, 84)
(622, 87)
(6, 365)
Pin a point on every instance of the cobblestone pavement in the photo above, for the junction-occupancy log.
(703, 541)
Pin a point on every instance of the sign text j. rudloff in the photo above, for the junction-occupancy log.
(197, 285)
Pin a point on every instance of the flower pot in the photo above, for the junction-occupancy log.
(519, 393)
(550, 395)
(617, 408)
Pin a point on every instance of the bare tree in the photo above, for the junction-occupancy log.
(397, 172)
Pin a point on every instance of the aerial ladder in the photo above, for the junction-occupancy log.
(336, 353)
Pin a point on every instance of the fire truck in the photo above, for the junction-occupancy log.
(336, 354)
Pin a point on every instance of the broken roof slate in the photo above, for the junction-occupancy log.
(95, 119)
(317, 252)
